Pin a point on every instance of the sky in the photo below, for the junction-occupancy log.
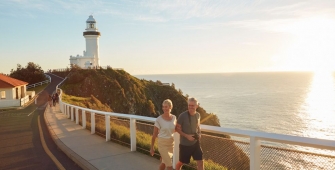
(172, 36)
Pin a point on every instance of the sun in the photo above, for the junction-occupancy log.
(313, 45)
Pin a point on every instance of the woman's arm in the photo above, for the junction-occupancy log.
(154, 136)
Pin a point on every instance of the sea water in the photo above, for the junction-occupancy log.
(290, 103)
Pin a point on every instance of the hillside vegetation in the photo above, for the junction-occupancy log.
(124, 93)
(32, 73)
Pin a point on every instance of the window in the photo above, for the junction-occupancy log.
(3, 94)
(92, 25)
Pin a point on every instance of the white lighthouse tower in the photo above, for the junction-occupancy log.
(90, 58)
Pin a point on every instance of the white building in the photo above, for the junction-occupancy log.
(90, 57)
(12, 92)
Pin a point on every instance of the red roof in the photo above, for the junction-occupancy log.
(7, 82)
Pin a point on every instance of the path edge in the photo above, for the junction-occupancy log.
(84, 164)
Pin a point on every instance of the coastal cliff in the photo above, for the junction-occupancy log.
(124, 93)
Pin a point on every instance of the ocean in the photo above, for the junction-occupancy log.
(293, 103)
(289, 103)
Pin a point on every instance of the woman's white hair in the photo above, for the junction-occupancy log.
(168, 102)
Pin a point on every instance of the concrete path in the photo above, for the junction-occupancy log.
(92, 151)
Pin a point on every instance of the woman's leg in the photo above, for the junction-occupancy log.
(162, 166)
(164, 147)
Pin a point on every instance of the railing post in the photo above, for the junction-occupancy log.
(77, 116)
(68, 111)
(64, 109)
(255, 153)
(132, 134)
(83, 114)
(108, 127)
(92, 122)
(72, 118)
(176, 149)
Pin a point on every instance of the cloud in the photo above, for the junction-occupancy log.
(186, 9)
(206, 11)
(150, 19)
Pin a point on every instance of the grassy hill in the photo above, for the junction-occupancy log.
(124, 93)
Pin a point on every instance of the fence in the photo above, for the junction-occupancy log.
(243, 149)
(40, 83)
(59, 70)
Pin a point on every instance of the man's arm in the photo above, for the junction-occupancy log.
(187, 136)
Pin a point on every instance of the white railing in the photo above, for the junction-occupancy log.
(60, 70)
(40, 83)
(254, 136)
(24, 100)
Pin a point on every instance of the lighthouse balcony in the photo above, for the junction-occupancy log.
(91, 33)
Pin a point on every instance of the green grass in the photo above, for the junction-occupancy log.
(38, 88)
(74, 100)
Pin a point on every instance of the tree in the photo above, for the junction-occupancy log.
(32, 73)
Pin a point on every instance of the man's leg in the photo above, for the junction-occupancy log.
(200, 165)
(179, 165)
(197, 156)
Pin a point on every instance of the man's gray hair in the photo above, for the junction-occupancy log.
(192, 99)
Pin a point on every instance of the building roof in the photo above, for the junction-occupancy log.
(90, 19)
(8, 82)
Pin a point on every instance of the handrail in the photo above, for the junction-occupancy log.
(254, 136)
(273, 137)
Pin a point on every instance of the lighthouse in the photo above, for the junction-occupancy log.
(90, 57)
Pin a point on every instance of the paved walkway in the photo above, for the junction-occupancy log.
(92, 151)
(20, 143)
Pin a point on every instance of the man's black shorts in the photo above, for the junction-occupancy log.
(185, 153)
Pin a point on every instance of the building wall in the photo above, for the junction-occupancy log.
(11, 100)
(80, 61)
(92, 48)
(8, 92)
(8, 102)
(14, 93)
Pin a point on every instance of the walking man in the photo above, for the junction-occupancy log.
(188, 126)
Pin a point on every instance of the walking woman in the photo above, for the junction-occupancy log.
(164, 129)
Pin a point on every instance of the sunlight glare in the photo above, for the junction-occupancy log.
(313, 45)
(320, 106)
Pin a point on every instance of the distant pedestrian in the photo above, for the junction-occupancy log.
(54, 99)
(164, 129)
(50, 100)
(57, 97)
